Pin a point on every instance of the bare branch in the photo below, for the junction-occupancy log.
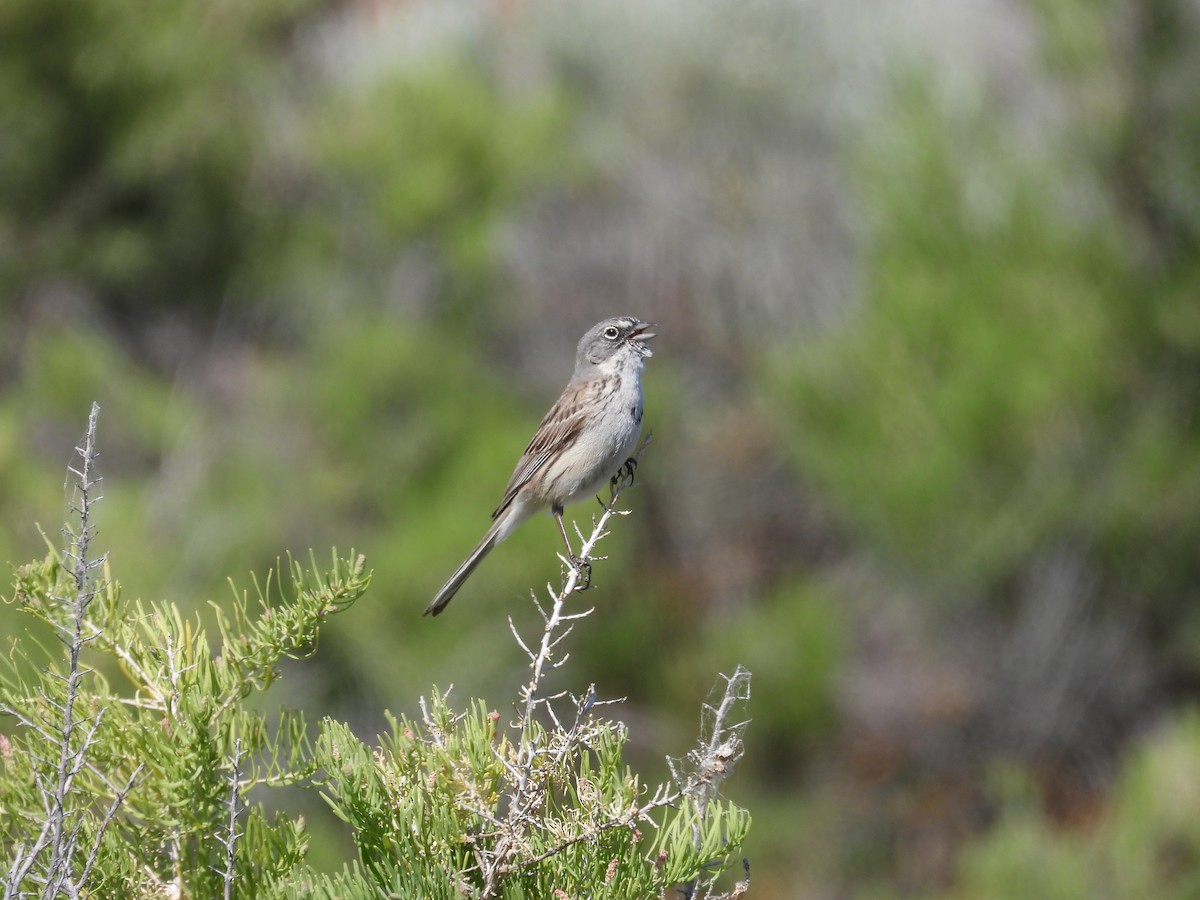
(699, 774)
(117, 801)
(51, 861)
(556, 616)
(510, 851)
(230, 838)
(64, 822)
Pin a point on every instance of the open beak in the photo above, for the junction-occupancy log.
(639, 335)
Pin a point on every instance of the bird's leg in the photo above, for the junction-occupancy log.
(625, 472)
(582, 566)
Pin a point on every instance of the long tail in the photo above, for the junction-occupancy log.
(463, 572)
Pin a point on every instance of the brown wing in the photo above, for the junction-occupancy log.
(559, 429)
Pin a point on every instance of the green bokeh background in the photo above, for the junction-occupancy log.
(926, 450)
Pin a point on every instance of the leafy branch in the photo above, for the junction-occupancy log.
(51, 861)
(454, 804)
(132, 755)
(133, 751)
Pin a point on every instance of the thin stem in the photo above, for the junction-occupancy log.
(556, 616)
(63, 838)
(528, 790)
(229, 841)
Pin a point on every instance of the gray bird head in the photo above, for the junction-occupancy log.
(613, 337)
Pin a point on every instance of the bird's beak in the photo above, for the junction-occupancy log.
(639, 335)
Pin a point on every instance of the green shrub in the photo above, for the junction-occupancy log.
(1146, 844)
(132, 745)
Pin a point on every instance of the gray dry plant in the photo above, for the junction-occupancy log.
(59, 858)
(141, 790)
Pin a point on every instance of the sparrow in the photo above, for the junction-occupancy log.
(585, 439)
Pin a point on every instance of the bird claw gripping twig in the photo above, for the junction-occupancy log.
(584, 568)
(623, 478)
(627, 471)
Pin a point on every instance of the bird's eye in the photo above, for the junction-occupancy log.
(611, 332)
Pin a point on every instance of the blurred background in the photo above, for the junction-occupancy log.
(926, 447)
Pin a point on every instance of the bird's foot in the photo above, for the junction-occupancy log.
(622, 479)
(625, 473)
(584, 568)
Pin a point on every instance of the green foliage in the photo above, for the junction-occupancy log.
(407, 174)
(213, 188)
(157, 160)
(413, 459)
(128, 147)
(1000, 393)
(954, 423)
(431, 812)
(65, 366)
(160, 739)
(796, 642)
(1146, 845)
(134, 747)
(455, 804)
(431, 158)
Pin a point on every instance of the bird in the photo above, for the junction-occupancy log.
(581, 444)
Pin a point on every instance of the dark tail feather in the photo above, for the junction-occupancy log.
(450, 588)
